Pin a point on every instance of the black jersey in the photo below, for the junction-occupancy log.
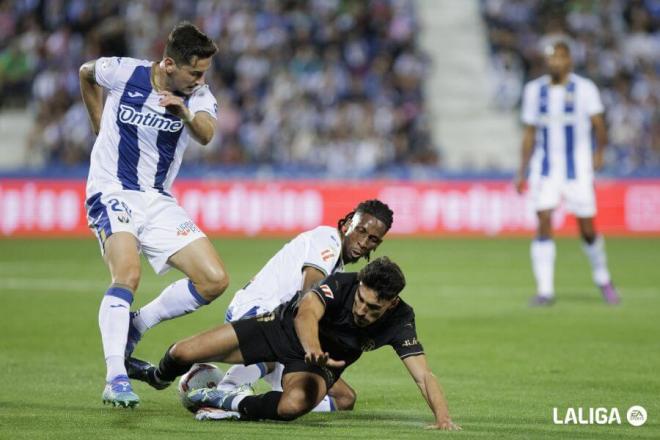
(338, 333)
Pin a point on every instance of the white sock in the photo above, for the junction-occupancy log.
(241, 374)
(326, 405)
(598, 259)
(113, 323)
(274, 378)
(543, 264)
(179, 298)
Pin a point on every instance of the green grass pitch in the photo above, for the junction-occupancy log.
(503, 365)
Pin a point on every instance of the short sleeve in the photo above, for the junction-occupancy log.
(405, 342)
(333, 289)
(203, 101)
(322, 252)
(530, 108)
(593, 103)
(105, 71)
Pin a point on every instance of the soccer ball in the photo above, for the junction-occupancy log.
(199, 376)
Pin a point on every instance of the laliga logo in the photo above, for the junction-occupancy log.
(129, 115)
(636, 416)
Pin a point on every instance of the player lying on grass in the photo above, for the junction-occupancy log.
(316, 336)
(299, 265)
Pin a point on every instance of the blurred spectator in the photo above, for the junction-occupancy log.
(616, 43)
(331, 84)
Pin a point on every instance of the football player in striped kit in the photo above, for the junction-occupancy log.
(151, 111)
(561, 112)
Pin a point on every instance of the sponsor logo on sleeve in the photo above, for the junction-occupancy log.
(327, 291)
(327, 254)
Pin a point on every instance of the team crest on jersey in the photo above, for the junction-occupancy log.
(129, 115)
(327, 254)
(327, 291)
(367, 344)
(186, 228)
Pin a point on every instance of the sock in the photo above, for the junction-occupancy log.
(598, 259)
(543, 263)
(242, 374)
(169, 368)
(179, 298)
(274, 378)
(263, 406)
(113, 323)
(326, 405)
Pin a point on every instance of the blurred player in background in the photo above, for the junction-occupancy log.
(151, 111)
(299, 265)
(559, 111)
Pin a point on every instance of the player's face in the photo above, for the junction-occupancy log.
(362, 234)
(559, 62)
(186, 77)
(367, 308)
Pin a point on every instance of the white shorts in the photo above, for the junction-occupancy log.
(244, 308)
(160, 225)
(578, 195)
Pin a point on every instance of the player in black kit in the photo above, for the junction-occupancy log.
(316, 336)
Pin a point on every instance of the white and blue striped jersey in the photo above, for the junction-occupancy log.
(279, 280)
(562, 116)
(140, 145)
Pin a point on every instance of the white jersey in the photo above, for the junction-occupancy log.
(279, 280)
(562, 115)
(140, 146)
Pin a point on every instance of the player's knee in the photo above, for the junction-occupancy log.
(128, 276)
(294, 404)
(588, 237)
(212, 283)
(346, 400)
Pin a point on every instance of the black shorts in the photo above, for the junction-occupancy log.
(263, 339)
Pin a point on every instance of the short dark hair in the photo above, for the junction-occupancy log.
(187, 41)
(384, 276)
(373, 207)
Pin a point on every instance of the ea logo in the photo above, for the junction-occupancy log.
(636, 415)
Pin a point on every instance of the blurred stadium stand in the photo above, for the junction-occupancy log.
(615, 42)
(343, 88)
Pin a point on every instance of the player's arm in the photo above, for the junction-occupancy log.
(431, 390)
(311, 276)
(306, 323)
(600, 133)
(529, 137)
(201, 125)
(92, 94)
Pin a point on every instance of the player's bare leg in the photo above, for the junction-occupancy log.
(543, 260)
(123, 261)
(343, 394)
(206, 280)
(218, 344)
(594, 247)
(302, 391)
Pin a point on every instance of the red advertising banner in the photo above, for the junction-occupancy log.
(56, 207)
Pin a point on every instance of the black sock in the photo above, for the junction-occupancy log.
(169, 369)
(262, 406)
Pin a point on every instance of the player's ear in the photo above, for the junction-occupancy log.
(394, 303)
(168, 64)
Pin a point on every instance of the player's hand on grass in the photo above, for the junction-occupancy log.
(175, 105)
(447, 425)
(322, 359)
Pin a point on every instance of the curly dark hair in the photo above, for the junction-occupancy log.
(187, 41)
(384, 276)
(373, 207)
